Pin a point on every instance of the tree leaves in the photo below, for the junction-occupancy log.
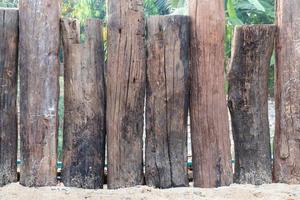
(233, 18)
(165, 7)
(257, 5)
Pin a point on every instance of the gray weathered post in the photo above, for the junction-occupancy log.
(167, 101)
(9, 36)
(84, 93)
(248, 102)
(39, 87)
(126, 68)
(287, 95)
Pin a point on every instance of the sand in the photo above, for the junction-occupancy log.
(234, 192)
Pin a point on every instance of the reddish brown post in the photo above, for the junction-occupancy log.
(287, 95)
(209, 115)
(39, 71)
(167, 101)
(9, 36)
(248, 102)
(84, 119)
(125, 92)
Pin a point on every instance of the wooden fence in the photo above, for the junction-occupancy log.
(174, 67)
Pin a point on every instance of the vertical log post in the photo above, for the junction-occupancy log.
(39, 71)
(287, 94)
(209, 115)
(9, 36)
(248, 103)
(84, 119)
(125, 92)
(167, 101)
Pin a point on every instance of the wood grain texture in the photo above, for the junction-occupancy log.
(39, 87)
(209, 115)
(84, 93)
(9, 37)
(125, 92)
(167, 101)
(287, 94)
(248, 102)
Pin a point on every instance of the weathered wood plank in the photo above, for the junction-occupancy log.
(287, 94)
(248, 102)
(125, 92)
(209, 115)
(39, 71)
(84, 119)
(9, 37)
(167, 101)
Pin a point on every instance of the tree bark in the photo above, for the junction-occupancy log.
(209, 115)
(287, 94)
(248, 103)
(39, 72)
(167, 101)
(9, 36)
(84, 119)
(125, 92)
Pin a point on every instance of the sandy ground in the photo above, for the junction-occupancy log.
(234, 192)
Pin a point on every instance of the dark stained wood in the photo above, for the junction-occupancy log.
(84, 119)
(248, 102)
(9, 36)
(39, 71)
(167, 101)
(125, 92)
(287, 94)
(209, 115)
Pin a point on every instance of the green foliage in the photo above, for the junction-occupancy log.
(9, 3)
(240, 12)
(165, 7)
(150, 8)
(83, 9)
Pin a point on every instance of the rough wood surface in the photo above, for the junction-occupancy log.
(167, 101)
(9, 36)
(39, 86)
(209, 115)
(248, 102)
(84, 93)
(125, 92)
(287, 94)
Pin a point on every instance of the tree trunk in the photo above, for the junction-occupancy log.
(287, 131)
(9, 36)
(209, 115)
(248, 103)
(125, 92)
(39, 71)
(167, 101)
(84, 119)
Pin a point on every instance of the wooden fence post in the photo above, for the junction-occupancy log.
(287, 94)
(39, 71)
(248, 102)
(209, 115)
(167, 101)
(9, 36)
(84, 119)
(125, 92)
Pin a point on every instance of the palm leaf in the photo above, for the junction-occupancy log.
(257, 5)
